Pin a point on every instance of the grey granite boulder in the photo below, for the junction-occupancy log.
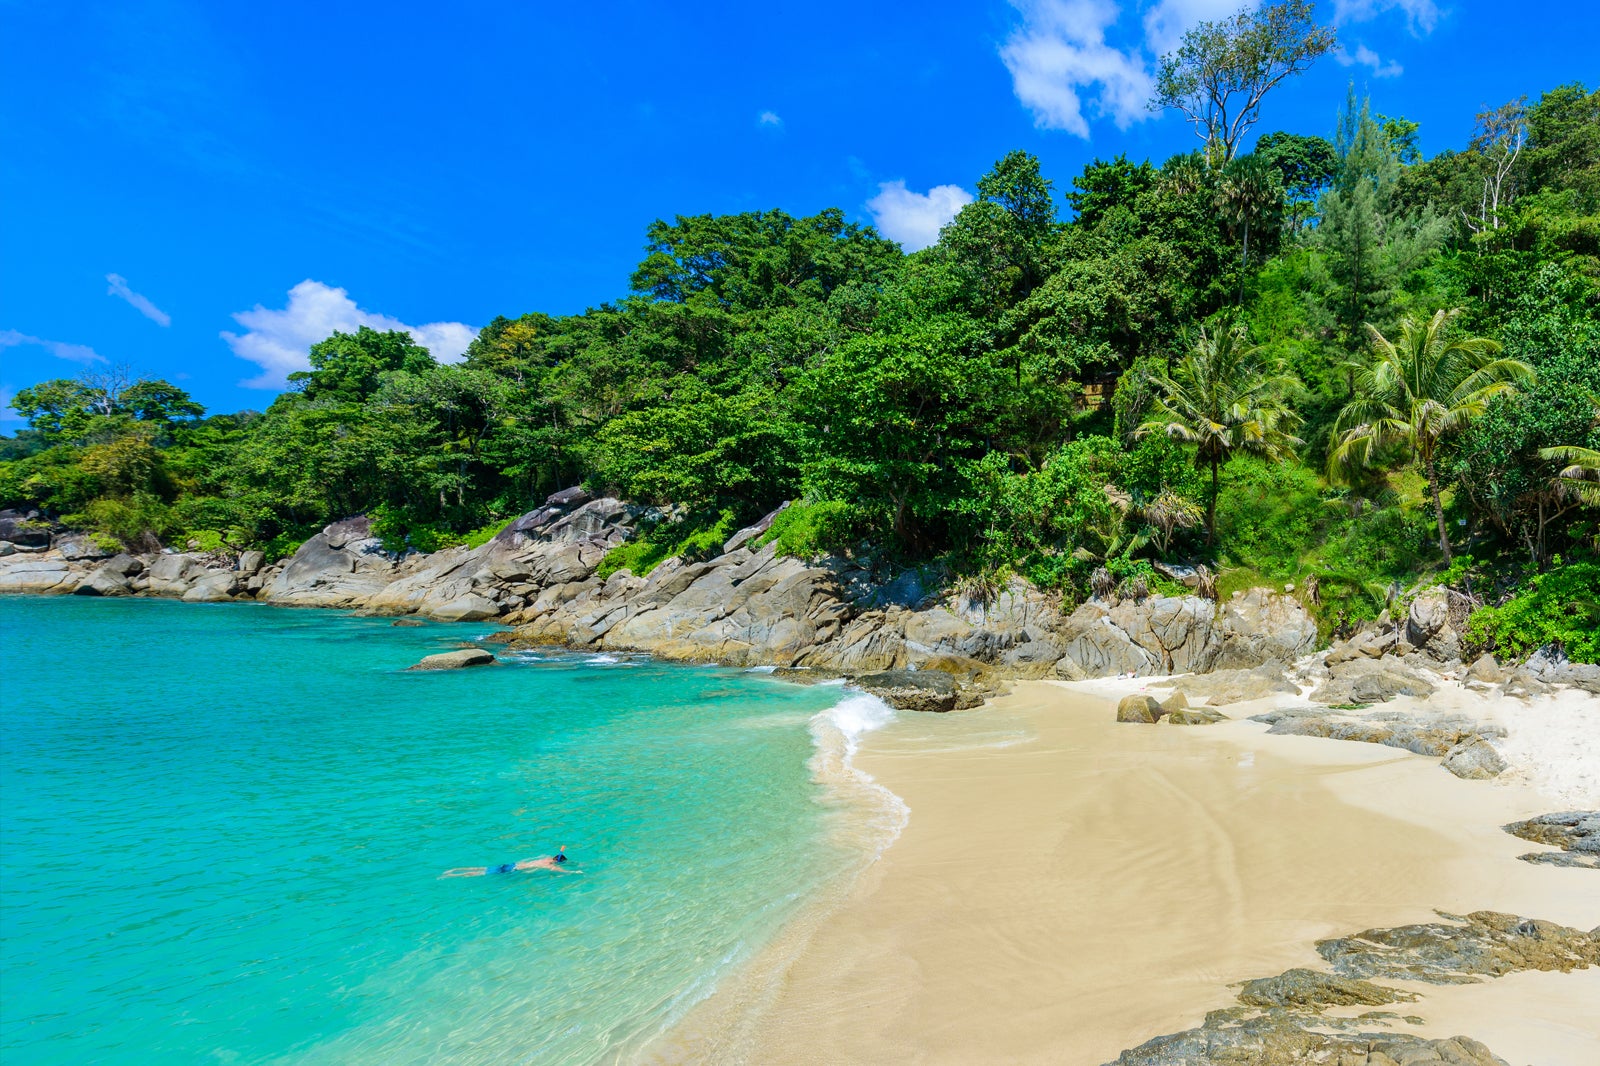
(172, 575)
(81, 547)
(215, 587)
(913, 690)
(105, 581)
(1486, 670)
(1223, 687)
(455, 660)
(1139, 708)
(1474, 759)
(1365, 681)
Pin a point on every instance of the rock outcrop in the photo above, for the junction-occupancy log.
(1463, 745)
(1139, 709)
(1285, 1018)
(749, 606)
(1576, 833)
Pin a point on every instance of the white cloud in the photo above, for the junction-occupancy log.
(1059, 61)
(1421, 15)
(1167, 22)
(279, 342)
(1366, 57)
(119, 288)
(769, 118)
(914, 218)
(75, 353)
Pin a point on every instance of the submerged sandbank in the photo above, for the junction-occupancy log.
(1068, 887)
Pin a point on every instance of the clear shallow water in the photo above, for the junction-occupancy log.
(221, 829)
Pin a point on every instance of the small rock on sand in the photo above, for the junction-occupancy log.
(1474, 759)
(1139, 708)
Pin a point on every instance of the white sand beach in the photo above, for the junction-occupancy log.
(1068, 887)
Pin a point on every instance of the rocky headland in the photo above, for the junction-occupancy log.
(749, 606)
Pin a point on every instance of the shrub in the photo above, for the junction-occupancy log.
(1561, 607)
(807, 530)
(690, 538)
(1269, 514)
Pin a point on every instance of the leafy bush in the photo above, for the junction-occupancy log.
(1269, 514)
(690, 538)
(807, 530)
(1561, 607)
(133, 520)
(484, 534)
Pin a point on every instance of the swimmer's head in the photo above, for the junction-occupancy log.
(561, 856)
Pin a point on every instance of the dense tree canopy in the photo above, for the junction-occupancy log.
(1160, 374)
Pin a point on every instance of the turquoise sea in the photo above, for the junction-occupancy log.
(221, 830)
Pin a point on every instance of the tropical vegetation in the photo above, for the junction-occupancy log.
(1318, 358)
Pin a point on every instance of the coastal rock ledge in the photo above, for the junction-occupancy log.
(747, 606)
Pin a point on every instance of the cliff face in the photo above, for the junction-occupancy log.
(746, 607)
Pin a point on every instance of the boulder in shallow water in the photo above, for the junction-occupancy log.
(406, 622)
(456, 660)
(1139, 708)
(214, 587)
(913, 690)
(104, 582)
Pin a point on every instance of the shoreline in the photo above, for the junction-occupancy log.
(1068, 888)
(781, 997)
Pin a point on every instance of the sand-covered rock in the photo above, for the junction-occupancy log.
(1195, 716)
(1223, 687)
(1284, 1019)
(1576, 833)
(1315, 990)
(1474, 759)
(1460, 949)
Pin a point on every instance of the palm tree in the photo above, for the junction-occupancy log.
(1224, 398)
(1582, 477)
(1251, 190)
(1416, 392)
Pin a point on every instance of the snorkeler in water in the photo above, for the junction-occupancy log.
(555, 862)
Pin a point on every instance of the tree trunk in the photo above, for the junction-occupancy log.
(1438, 509)
(1244, 262)
(1211, 506)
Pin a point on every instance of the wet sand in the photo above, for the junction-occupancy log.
(1068, 887)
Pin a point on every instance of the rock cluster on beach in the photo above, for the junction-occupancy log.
(1576, 833)
(1283, 1019)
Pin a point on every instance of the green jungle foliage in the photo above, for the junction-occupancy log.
(1561, 607)
(1236, 358)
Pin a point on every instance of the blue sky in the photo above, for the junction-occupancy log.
(200, 190)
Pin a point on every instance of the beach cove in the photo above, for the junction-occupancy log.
(223, 829)
(1069, 887)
